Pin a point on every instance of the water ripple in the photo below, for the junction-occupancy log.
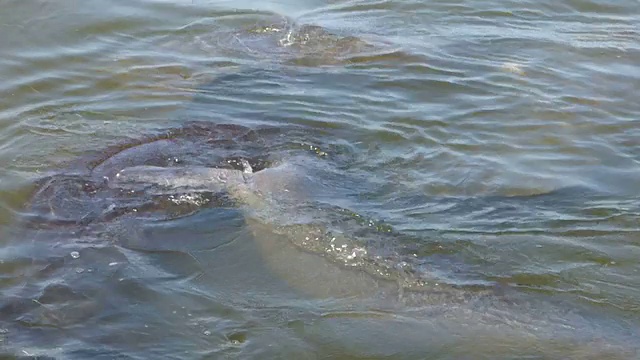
(496, 140)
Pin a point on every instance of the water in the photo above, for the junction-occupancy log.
(465, 181)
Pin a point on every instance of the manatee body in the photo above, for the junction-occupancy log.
(263, 196)
(267, 198)
(278, 39)
(117, 186)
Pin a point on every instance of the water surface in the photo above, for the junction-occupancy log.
(478, 160)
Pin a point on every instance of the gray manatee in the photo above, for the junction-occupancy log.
(267, 198)
(276, 38)
(306, 256)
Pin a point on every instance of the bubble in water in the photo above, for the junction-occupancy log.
(75, 254)
(514, 68)
(207, 332)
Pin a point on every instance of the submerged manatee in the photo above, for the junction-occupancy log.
(268, 197)
(137, 183)
(275, 38)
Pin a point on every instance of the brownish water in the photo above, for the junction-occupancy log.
(478, 160)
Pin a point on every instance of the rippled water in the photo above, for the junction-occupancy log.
(461, 179)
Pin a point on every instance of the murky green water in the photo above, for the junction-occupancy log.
(460, 179)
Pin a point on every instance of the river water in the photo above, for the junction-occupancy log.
(468, 178)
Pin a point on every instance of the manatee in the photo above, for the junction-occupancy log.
(304, 44)
(278, 39)
(136, 181)
(309, 257)
(269, 197)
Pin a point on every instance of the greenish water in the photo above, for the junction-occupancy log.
(464, 179)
